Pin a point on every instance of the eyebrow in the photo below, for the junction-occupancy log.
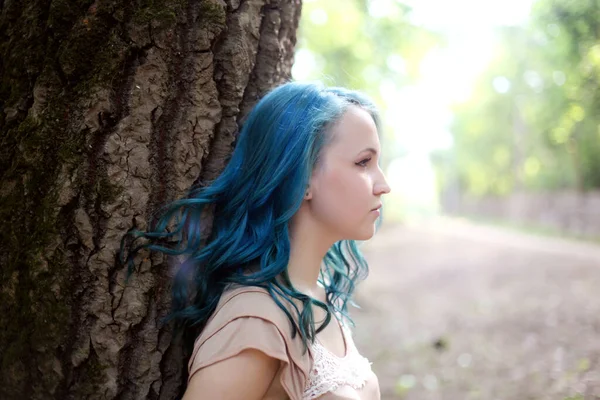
(369, 149)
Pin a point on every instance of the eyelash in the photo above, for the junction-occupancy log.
(364, 162)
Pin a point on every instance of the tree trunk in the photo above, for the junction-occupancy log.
(109, 109)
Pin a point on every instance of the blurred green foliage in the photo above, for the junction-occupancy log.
(368, 45)
(356, 46)
(532, 121)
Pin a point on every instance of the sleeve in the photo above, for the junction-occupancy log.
(236, 336)
(248, 318)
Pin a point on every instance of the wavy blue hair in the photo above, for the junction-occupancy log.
(253, 200)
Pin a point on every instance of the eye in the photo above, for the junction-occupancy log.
(364, 162)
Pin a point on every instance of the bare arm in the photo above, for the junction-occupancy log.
(247, 376)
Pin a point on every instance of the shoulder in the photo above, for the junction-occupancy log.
(244, 308)
(251, 301)
(247, 316)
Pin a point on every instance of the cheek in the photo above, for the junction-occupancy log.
(341, 184)
(342, 196)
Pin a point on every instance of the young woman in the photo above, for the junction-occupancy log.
(268, 290)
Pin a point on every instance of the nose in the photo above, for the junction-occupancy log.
(381, 186)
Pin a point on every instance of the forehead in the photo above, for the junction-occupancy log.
(354, 131)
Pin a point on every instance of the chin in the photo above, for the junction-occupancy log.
(366, 233)
(363, 236)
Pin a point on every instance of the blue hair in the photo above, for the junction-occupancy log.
(253, 201)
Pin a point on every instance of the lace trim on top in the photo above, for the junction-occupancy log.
(330, 372)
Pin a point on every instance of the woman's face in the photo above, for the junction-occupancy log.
(347, 184)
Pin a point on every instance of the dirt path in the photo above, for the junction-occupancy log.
(457, 311)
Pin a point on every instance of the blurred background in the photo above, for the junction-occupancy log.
(485, 275)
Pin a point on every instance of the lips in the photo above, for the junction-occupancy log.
(376, 208)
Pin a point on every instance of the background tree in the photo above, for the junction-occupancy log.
(109, 109)
(532, 122)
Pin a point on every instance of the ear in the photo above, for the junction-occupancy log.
(308, 193)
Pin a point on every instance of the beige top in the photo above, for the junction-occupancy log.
(248, 318)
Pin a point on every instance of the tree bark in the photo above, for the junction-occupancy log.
(109, 109)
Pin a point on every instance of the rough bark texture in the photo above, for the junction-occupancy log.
(109, 109)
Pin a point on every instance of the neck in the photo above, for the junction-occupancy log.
(308, 245)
